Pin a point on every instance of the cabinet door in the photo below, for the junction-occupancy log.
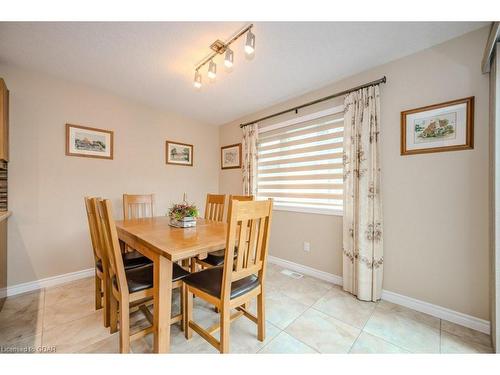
(4, 121)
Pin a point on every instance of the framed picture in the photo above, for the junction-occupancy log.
(230, 156)
(179, 153)
(89, 142)
(440, 127)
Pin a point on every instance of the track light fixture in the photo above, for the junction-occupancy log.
(229, 59)
(197, 80)
(212, 70)
(250, 43)
(219, 47)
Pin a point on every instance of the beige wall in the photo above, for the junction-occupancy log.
(48, 231)
(435, 205)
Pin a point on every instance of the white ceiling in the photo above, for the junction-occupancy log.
(153, 62)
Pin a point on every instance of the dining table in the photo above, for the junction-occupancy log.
(164, 244)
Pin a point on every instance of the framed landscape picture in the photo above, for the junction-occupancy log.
(440, 127)
(89, 142)
(179, 153)
(230, 156)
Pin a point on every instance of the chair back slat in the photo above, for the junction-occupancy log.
(248, 227)
(214, 207)
(138, 206)
(242, 245)
(112, 245)
(94, 234)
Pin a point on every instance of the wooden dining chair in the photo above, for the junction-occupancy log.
(131, 288)
(130, 260)
(239, 280)
(214, 210)
(138, 206)
(100, 265)
(216, 258)
(214, 207)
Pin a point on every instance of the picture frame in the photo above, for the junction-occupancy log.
(230, 156)
(178, 153)
(447, 126)
(84, 141)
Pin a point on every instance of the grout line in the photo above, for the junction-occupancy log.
(362, 328)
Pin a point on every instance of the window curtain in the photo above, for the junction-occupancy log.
(362, 224)
(249, 145)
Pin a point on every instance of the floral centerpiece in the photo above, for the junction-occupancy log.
(183, 214)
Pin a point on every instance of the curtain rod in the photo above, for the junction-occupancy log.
(295, 109)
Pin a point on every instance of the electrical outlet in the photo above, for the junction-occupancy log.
(307, 246)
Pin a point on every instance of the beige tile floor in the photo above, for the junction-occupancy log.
(304, 315)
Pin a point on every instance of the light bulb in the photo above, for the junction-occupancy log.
(250, 43)
(229, 59)
(212, 70)
(197, 80)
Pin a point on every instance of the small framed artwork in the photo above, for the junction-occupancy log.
(89, 142)
(179, 153)
(440, 127)
(230, 156)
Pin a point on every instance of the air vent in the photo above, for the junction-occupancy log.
(294, 275)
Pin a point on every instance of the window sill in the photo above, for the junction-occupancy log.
(317, 211)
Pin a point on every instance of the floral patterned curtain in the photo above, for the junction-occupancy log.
(362, 225)
(249, 170)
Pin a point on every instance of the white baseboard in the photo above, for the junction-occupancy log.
(438, 311)
(47, 282)
(399, 299)
(309, 271)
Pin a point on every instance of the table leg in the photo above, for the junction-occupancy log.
(162, 303)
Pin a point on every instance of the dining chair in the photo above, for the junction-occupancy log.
(216, 258)
(138, 206)
(214, 210)
(130, 259)
(133, 288)
(214, 207)
(99, 264)
(239, 280)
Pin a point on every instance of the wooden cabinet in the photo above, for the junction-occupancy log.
(4, 121)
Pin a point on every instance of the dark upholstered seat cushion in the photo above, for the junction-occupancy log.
(131, 260)
(210, 281)
(216, 258)
(141, 278)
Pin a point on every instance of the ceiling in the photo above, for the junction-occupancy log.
(154, 62)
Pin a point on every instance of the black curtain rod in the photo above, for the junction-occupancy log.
(295, 109)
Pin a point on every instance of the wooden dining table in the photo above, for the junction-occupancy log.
(164, 244)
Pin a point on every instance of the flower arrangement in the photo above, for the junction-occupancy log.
(183, 215)
(183, 210)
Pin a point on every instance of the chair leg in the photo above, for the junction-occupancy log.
(225, 321)
(106, 291)
(98, 293)
(183, 307)
(188, 303)
(124, 327)
(193, 265)
(261, 317)
(113, 314)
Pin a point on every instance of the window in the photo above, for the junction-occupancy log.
(300, 163)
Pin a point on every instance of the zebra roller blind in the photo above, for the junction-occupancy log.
(300, 166)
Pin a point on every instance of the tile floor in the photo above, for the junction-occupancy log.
(304, 315)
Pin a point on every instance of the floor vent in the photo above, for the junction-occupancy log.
(295, 275)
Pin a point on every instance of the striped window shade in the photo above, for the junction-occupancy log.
(300, 165)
